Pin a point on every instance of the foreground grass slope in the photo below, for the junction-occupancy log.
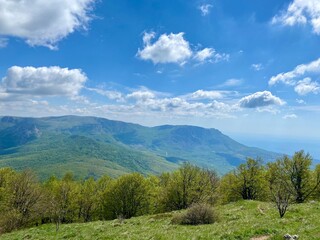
(240, 220)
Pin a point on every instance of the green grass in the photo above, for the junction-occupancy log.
(241, 220)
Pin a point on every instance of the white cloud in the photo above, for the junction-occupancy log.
(43, 81)
(289, 78)
(142, 103)
(257, 67)
(260, 99)
(3, 42)
(110, 94)
(301, 12)
(42, 22)
(173, 48)
(290, 116)
(306, 86)
(204, 54)
(141, 95)
(293, 78)
(210, 55)
(147, 37)
(181, 107)
(201, 94)
(205, 9)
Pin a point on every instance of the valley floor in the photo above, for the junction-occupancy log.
(241, 220)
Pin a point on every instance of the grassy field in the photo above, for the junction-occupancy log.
(241, 220)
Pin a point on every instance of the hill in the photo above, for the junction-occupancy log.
(240, 220)
(91, 146)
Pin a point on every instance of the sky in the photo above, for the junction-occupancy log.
(250, 68)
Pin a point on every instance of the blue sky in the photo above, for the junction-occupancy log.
(250, 68)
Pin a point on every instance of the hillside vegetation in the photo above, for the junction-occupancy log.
(241, 220)
(90, 146)
(283, 188)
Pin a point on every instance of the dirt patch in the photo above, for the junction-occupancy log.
(260, 238)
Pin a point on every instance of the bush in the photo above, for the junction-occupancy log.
(197, 214)
(10, 221)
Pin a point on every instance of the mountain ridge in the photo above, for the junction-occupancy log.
(93, 146)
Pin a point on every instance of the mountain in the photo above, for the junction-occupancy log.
(91, 146)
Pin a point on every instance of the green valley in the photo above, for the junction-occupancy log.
(90, 146)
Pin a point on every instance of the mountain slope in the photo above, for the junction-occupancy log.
(91, 146)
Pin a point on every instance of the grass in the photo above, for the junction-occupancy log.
(240, 220)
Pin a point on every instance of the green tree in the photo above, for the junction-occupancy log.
(102, 185)
(188, 185)
(316, 178)
(246, 182)
(303, 181)
(6, 176)
(126, 197)
(280, 190)
(62, 199)
(21, 199)
(88, 199)
(155, 191)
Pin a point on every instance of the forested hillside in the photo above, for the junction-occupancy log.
(195, 195)
(90, 146)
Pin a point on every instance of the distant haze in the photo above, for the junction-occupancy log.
(281, 145)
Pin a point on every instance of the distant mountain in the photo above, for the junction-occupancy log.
(90, 146)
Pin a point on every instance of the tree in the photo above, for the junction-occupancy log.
(280, 190)
(188, 185)
(62, 199)
(102, 185)
(126, 197)
(88, 199)
(246, 182)
(316, 178)
(6, 176)
(299, 175)
(21, 199)
(155, 191)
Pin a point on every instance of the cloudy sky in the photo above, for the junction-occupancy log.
(250, 68)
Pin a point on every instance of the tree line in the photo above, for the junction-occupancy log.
(25, 202)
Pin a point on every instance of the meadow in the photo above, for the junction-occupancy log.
(240, 220)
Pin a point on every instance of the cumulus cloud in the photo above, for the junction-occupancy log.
(293, 78)
(43, 81)
(201, 94)
(141, 95)
(174, 48)
(301, 12)
(205, 9)
(142, 102)
(41, 22)
(182, 107)
(306, 86)
(171, 48)
(260, 99)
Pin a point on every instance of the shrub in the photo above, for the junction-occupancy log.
(197, 214)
